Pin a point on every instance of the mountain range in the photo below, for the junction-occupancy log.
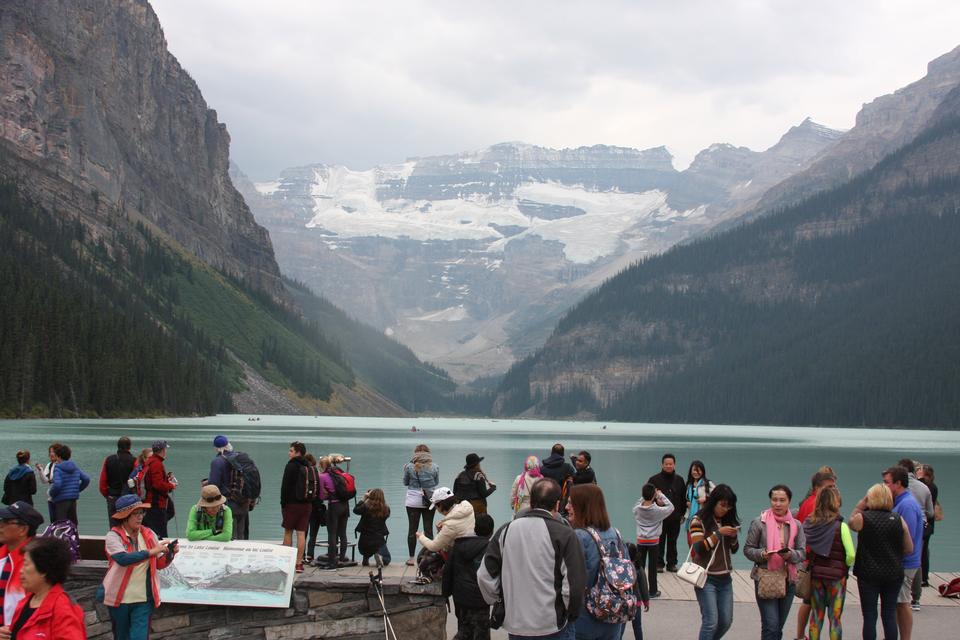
(470, 259)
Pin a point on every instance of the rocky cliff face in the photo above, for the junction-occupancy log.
(882, 126)
(99, 119)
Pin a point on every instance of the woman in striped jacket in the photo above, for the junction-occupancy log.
(131, 587)
(713, 535)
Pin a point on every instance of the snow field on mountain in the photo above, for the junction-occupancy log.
(345, 202)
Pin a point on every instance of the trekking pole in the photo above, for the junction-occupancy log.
(377, 582)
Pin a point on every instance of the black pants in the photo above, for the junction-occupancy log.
(870, 592)
(472, 624)
(647, 555)
(413, 520)
(65, 510)
(318, 516)
(337, 514)
(156, 519)
(667, 551)
(925, 556)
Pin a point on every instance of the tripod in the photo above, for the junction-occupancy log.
(377, 582)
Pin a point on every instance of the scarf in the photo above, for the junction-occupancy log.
(421, 458)
(772, 521)
(820, 535)
(531, 469)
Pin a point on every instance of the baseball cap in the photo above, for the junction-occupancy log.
(220, 442)
(439, 495)
(24, 513)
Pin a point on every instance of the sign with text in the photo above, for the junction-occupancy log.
(237, 573)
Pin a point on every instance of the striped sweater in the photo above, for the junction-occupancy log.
(703, 544)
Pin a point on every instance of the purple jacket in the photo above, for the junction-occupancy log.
(327, 489)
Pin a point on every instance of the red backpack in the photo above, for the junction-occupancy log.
(344, 484)
(950, 589)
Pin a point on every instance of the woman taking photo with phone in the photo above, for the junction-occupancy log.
(131, 588)
(713, 532)
(775, 543)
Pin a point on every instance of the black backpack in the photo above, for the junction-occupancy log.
(244, 486)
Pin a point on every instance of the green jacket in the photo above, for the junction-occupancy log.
(201, 527)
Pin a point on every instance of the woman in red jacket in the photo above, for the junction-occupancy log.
(47, 613)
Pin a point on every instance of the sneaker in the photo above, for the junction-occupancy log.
(660, 568)
(672, 568)
(925, 584)
(655, 594)
(307, 559)
(915, 606)
(299, 568)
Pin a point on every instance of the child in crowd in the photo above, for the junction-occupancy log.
(373, 512)
(650, 512)
(642, 591)
(460, 581)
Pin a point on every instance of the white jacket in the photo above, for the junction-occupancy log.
(457, 524)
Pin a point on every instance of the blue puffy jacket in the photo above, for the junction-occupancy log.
(68, 481)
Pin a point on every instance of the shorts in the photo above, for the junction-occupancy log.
(906, 589)
(296, 516)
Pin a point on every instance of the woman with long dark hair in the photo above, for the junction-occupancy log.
(373, 512)
(473, 485)
(926, 476)
(713, 534)
(698, 488)
(420, 477)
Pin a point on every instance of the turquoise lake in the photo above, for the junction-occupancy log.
(751, 459)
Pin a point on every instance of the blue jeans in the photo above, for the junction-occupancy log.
(131, 621)
(567, 633)
(716, 607)
(774, 612)
(589, 628)
(887, 593)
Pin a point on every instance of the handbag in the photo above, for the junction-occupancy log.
(692, 572)
(803, 582)
(771, 585)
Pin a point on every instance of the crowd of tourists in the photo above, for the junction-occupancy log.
(557, 569)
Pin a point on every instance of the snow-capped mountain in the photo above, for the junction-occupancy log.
(470, 258)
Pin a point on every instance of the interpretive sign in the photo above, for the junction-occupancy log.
(238, 573)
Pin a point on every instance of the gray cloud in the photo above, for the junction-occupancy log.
(363, 83)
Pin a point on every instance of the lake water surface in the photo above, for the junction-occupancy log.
(750, 459)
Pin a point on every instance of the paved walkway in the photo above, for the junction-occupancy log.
(675, 614)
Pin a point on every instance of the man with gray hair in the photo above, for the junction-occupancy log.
(534, 565)
(222, 475)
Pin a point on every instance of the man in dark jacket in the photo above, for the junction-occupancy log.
(114, 474)
(584, 474)
(460, 581)
(20, 485)
(221, 472)
(672, 485)
(535, 564)
(295, 505)
(158, 484)
(556, 466)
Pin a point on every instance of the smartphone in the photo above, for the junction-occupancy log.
(783, 551)
(171, 545)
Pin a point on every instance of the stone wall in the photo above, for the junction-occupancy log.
(324, 605)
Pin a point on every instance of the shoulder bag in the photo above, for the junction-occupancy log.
(692, 572)
(771, 585)
(803, 582)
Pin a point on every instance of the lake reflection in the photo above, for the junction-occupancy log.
(750, 459)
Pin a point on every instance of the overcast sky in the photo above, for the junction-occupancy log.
(363, 83)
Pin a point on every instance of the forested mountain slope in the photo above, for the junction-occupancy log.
(842, 309)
